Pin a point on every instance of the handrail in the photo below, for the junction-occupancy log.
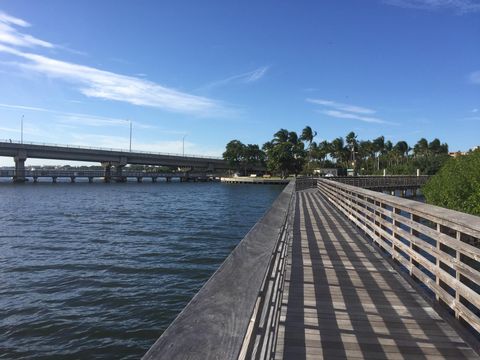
(7, 142)
(389, 182)
(222, 321)
(439, 248)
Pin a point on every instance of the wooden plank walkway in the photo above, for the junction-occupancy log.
(343, 300)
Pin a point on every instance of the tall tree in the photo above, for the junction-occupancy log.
(307, 135)
(421, 148)
(235, 154)
(379, 148)
(339, 152)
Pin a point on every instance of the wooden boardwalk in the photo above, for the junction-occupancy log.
(343, 300)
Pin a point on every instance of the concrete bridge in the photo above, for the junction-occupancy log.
(112, 160)
(335, 271)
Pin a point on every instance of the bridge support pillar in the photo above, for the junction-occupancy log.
(107, 173)
(119, 173)
(20, 168)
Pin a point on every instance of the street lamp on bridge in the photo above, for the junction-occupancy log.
(183, 144)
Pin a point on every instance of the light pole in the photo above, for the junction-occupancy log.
(130, 148)
(183, 144)
(21, 130)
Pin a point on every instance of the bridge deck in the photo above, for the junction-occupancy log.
(343, 300)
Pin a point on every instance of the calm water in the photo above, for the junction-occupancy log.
(100, 270)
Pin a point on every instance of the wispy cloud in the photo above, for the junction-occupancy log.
(101, 84)
(459, 6)
(254, 75)
(9, 35)
(346, 111)
(78, 118)
(341, 106)
(245, 78)
(344, 115)
(474, 77)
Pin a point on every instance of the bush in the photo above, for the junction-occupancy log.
(457, 185)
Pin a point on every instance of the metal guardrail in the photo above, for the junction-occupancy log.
(235, 314)
(110, 149)
(439, 248)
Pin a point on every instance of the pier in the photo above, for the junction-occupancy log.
(336, 271)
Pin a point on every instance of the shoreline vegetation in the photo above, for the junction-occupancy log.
(289, 153)
(455, 184)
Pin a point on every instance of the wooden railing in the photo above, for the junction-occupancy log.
(391, 182)
(439, 248)
(235, 314)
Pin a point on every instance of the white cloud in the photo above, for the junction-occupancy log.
(344, 115)
(9, 35)
(474, 77)
(245, 78)
(78, 118)
(254, 75)
(345, 111)
(460, 6)
(96, 83)
(341, 107)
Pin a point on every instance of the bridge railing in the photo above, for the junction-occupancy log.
(88, 173)
(235, 314)
(109, 149)
(439, 248)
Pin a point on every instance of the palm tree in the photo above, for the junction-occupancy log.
(421, 148)
(338, 151)
(379, 148)
(307, 135)
(280, 136)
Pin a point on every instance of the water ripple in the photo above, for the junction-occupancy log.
(94, 271)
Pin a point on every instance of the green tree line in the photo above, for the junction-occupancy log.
(292, 153)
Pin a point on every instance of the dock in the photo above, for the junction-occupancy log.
(342, 300)
(336, 271)
(254, 180)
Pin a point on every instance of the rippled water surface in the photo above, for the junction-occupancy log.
(93, 271)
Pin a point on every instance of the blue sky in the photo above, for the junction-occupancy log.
(78, 71)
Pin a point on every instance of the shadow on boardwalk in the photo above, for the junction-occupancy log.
(343, 300)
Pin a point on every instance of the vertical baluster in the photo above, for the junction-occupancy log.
(457, 275)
